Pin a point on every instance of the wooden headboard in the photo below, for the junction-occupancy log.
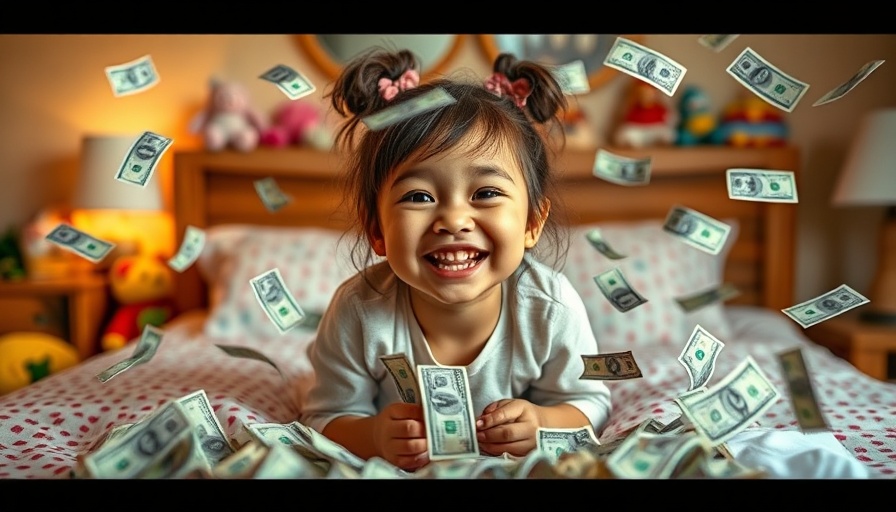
(212, 188)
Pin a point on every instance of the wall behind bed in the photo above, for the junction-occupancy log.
(54, 90)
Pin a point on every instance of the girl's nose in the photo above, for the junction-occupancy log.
(453, 219)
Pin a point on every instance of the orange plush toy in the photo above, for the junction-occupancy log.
(143, 287)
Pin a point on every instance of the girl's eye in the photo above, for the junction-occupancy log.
(487, 193)
(417, 197)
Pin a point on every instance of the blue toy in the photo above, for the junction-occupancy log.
(696, 120)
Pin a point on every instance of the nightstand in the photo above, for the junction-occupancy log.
(869, 347)
(72, 308)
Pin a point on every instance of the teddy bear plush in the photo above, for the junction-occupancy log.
(143, 288)
(229, 119)
(298, 122)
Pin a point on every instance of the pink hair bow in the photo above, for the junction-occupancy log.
(519, 89)
(389, 88)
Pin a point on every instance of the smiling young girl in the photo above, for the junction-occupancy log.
(455, 200)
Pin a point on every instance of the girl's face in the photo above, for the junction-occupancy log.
(454, 226)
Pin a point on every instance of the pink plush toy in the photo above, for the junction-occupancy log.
(298, 122)
(229, 119)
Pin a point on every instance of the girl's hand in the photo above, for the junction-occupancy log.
(399, 435)
(509, 425)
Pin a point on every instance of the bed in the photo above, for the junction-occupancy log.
(47, 427)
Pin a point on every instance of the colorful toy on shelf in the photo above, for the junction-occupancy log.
(27, 357)
(143, 287)
(749, 121)
(297, 122)
(229, 120)
(647, 119)
(697, 122)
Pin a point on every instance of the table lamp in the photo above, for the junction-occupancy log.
(110, 209)
(868, 178)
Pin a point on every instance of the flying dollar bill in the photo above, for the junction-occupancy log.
(430, 100)
(404, 376)
(150, 339)
(729, 407)
(142, 159)
(699, 356)
(132, 77)
(696, 229)
(841, 90)
(447, 412)
(572, 77)
(190, 249)
(557, 441)
(802, 396)
(617, 290)
(610, 366)
(294, 84)
(596, 239)
(271, 196)
(248, 353)
(645, 64)
(702, 299)
(276, 301)
(206, 427)
(620, 169)
(825, 306)
(766, 81)
(79, 242)
(762, 185)
(717, 42)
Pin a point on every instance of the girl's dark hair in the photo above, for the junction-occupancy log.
(373, 155)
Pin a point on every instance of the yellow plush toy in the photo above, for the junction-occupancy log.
(143, 287)
(26, 357)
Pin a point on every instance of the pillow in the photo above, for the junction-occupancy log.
(660, 268)
(310, 261)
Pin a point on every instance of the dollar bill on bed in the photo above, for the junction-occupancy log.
(447, 412)
(271, 196)
(802, 395)
(704, 298)
(721, 412)
(841, 90)
(825, 306)
(766, 81)
(655, 456)
(645, 64)
(616, 289)
(596, 239)
(430, 100)
(610, 366)
(150, 339)
(557, 441)
(716, 42)
(403, 375)
(696, 229)
(276, 301)
(762, 185)
(208, 430)
(79, 242)
(621, 170)
(294, 84)
(699, 356)
(572, 77)
(190, 249)
(142, 159)
(132, 77)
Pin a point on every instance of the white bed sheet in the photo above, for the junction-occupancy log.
(44, 427)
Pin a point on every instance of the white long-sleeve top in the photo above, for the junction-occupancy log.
(534, 352)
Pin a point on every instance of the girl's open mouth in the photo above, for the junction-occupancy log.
(453, 261)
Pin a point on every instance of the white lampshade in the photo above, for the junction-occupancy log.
(96, 187)
(868, 177)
